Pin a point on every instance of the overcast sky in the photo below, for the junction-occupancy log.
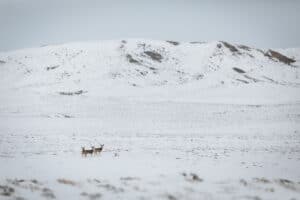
(260, 23)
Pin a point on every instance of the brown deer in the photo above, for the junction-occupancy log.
(85, 152)
(98, 149)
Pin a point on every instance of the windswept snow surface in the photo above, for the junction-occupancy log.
(189, 120)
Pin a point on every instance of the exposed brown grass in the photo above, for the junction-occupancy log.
(232, 48)
(244, 47)
(280, 57)
(154, 55)
(66, 181)
(173, 42)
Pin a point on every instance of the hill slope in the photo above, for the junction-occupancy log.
(143, 68)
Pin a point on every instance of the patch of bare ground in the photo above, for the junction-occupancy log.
(271, 80)
(132, 60)
(6, 190)
(79, 92)
(266, 185)
(280, 57)
(261, 180)
(48, 193)
(2, 62)
(238, 70)
(243, 81)
(32, 185)
(191, 177)
(231, 47)
(197, 42)
(244, 47)
(111, 188)
(91, 196)
(171, 197)
(173, 42)
(198, 76)
(129, 179)
(248, 197)
(142, 72)
(252, 78)
(288, 184)
(106, 186)
(154, 55)
(52, 67)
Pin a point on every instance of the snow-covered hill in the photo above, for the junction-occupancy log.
(145, 63)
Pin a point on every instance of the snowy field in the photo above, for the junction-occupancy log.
(218, 135)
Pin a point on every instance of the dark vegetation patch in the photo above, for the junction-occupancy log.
(261, 51)
(52, 67)
(115, 75)
(288, 184)
(180, 72)
(16, 181)
(261, 180)
(2, 62)
(243, 182)
(232, 48)
(79, 92)
(6, 190)
(91, 196)
(243, 81)
(197, 42)
(238, 70)
(141, 72)
(67, 116)
(244, 47)
(123, 43)
(154, 55)
(280, 57)
(250, 55)
(60, 115)
(111, 188)
(173, 42)
(171, 197)
(132, 60)
(269, 79)
(254, 106)
(192, 177)
(34, 181)
(251, 78)
(129, 178)
(48, 193)
(152, 68)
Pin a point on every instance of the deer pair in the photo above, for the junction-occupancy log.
(91, 151)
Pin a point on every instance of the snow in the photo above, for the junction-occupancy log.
(186, 126)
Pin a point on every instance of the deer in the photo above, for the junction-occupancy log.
(85, 152)
(98, 149)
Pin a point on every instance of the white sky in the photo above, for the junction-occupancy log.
(260, 23)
